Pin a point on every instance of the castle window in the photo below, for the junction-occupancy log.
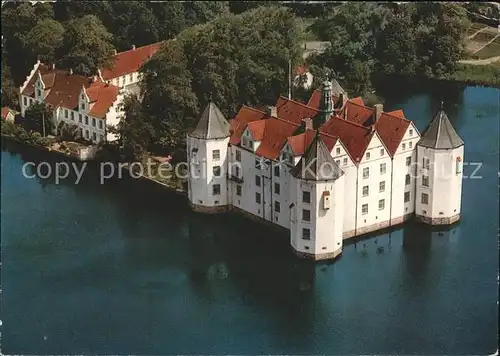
(216, 189)
(338, 150)
(216, 171)
(100, 124)
(408, 160)
(65, 113)
(365, 191)
(86, 120)
(276, 171)
(216, 155)
(404, 146)
(382, 168)
(238, 190)
(407, 179)
(237, 171)
(238, 155)
(367, 155)
(82, 106)
(87, 135)
(381, 187)
(38, 93)
(381, 204)
(426, 162)
(458, 169)
(410, 144)
(25, 100)
(337, 162)
(277, 206)
(80, 118)
(411, 132)
(72, 115)
(130, 79)
(257, 198)
(276, 188)
(407, 197)
(364, 209)
(94, 136)
(382, 152)
(306, 197)
(425, 181)
(93, 122)
(257, 181)
(306, 234)
(306, 215)
(425, 198)
(366, 172)
(345, 161)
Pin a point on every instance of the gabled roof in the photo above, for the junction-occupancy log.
(294, 111)
(300, 143)
(391, 130)
(317, 164)
(63, 89)
(240, 121)
(212, 124)
(5, 112)
(355, 138)
(315, 99)
(440, 134)
(130, 61)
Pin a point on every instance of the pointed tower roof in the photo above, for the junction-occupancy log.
(336, 88)
(317, 164)
(212, 124)
(440, 134)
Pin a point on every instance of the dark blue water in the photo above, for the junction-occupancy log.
(126, 268)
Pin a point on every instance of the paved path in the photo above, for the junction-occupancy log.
(494, 38)
(480, 62)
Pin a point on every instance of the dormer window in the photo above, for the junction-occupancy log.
(338, 150)
(82, 106)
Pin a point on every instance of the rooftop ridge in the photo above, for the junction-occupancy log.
(132, 49)
(349, 122)
(396, 117)
(298, 102)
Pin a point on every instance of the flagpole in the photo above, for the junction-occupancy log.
(289, 78)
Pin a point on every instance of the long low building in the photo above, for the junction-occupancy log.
(327, 171)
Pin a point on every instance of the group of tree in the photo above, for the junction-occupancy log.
(83, 35)
(232, 60)
(421, 38)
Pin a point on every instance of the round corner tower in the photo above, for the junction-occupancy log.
(440, 155)
(207, 155)
(317, 197)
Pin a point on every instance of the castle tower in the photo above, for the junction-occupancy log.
(326, 103)
(207, 151)
(440, 154)
(317, 201)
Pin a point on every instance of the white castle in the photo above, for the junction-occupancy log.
(326, 171)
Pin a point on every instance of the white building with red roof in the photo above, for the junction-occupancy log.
(88, 103)
(124, 72)
(327, 171)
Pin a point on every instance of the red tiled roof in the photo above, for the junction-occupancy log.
(300, 143)
(276, 133)
(315, 99)
(102, 97)
(5, 112)
(301, 70)
(398, 113)
(240, 121)
(358, 113)
(293, 111)
(354, 137)
(391, 130)
(63, 89)
(257, 129)
(130, 61)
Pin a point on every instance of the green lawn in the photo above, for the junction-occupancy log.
(491, 50)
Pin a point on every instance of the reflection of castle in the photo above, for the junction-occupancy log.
(328, 170)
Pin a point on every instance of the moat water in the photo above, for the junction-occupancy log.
(126, 268)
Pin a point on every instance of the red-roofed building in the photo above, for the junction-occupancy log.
(369, 182)
(88, 103)
(124, 71)
(8, 114)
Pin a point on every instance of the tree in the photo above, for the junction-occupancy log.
(86, 46)
(134, 132)
(44, 39)
(197, 12)
(36, 116)
(10, 93)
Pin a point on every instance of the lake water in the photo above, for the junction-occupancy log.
(126, 268)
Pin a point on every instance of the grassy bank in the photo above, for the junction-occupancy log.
(488, 75)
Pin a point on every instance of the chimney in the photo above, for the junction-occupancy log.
(271, 111)
(307, 123)
(133, 47)
(70, 71)
(377, 111)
